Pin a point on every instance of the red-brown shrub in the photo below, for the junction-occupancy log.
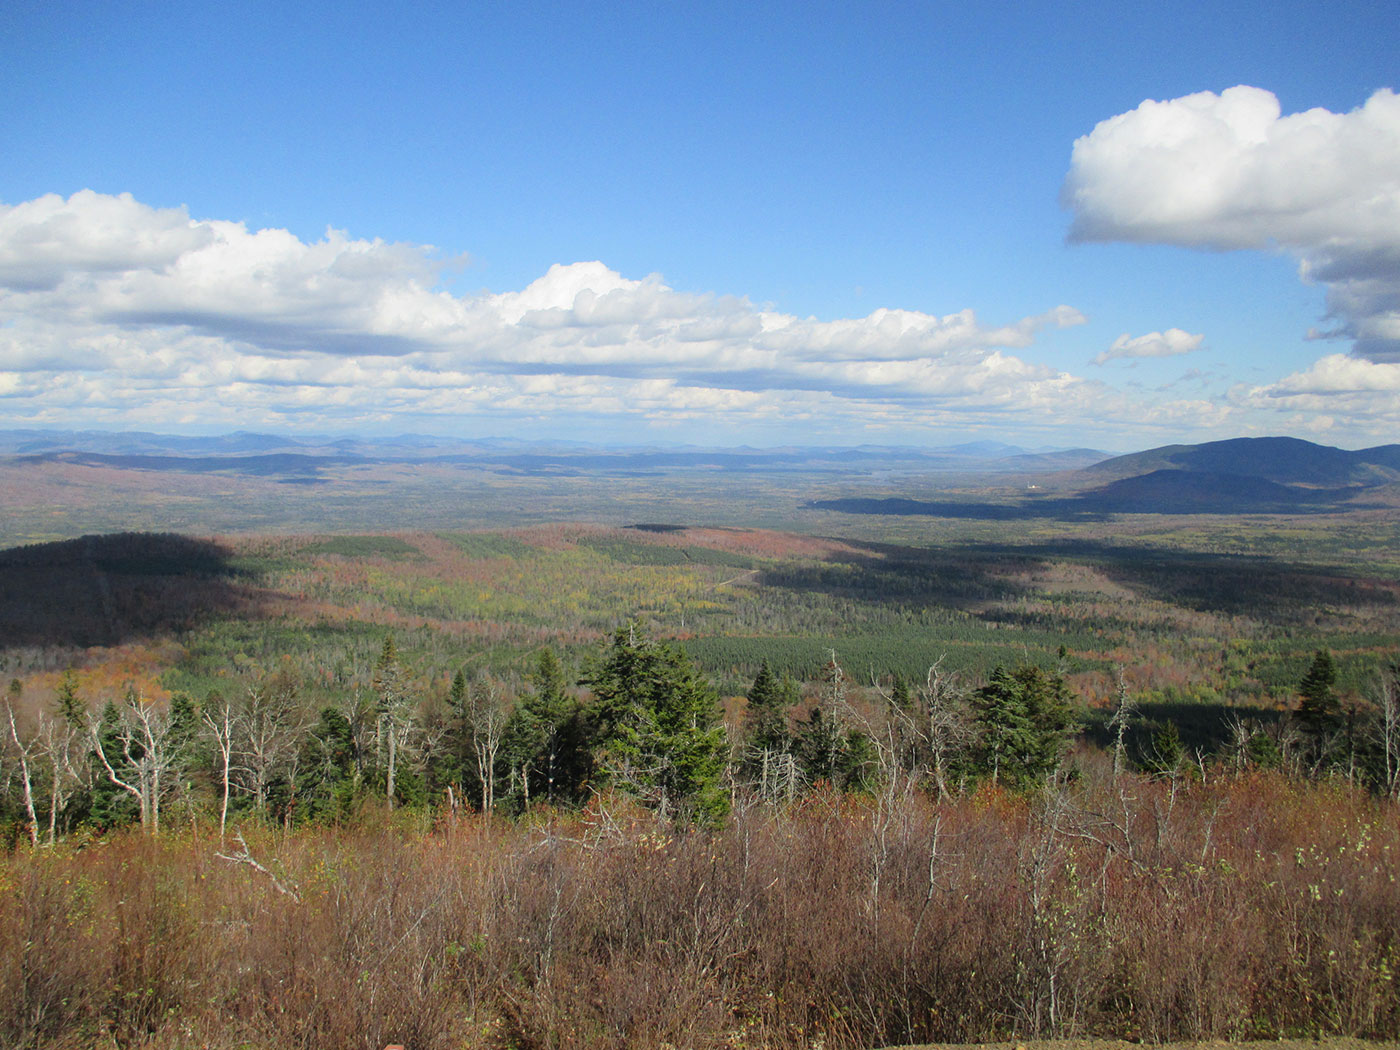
(1131, 908)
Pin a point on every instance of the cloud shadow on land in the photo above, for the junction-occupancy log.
(968, 576)
(1157, 492)
(108, 590)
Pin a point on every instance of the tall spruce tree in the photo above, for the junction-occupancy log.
(1005, 727)
(541, 745)
(766, 716)
(655, 727)
(1319, 711)
(1024, 719)
(327, 780)
(767, 758)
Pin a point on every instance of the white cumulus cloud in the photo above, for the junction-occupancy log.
(1365, 393)
(1230, 171)
(114, 313)
(1170, 343)
(109, 305)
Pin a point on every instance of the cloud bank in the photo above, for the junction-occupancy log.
(114, 313)
(1228, 171)
(112, 309)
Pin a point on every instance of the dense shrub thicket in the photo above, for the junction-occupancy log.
(1120, 905)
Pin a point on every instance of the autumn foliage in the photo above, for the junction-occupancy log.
(1127, 907)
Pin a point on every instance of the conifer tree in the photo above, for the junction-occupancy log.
(767, 757)
(67, 704)
(826, 746)
(1025, 718)
(541, 741)
(1319, 712)
(327, 778)
(656, 730)
(1005, 727)
(1318, 709)
(766, 716)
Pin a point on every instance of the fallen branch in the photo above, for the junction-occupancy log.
(246, 857)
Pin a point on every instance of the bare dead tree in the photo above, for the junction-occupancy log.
(245, 856)
(26, 750)
(143, 736)
(946, 724)
(1387, 728)
(779, 777)
(219, 719)
(1239, 733)
(487, 712)
(1126, 707)
(927, 733)
(266, 729)
(57, 738)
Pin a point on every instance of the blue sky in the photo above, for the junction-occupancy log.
(792, 209)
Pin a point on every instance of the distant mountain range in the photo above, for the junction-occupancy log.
(1242, 475)
(266, 455)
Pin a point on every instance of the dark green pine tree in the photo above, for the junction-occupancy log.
(1049, 705)
(902, 729)
(766, 716)
(1025, 719)
(327, 785)
(767, 760)
(655, 728)
(185, 744)
(900, 697)
(67, 704)
(1005, 730)
(1167, 752)
(109, 806)
(450, 765)
(541, 745)
(826, 751)
(820, 748)
(1319, 711)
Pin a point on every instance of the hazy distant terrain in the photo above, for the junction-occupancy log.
(60, 485)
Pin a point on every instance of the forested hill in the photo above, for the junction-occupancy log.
(1283, 460)
(1273, 475)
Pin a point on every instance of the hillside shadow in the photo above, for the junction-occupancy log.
(108, 590)
(914, 577)
(970, 575)
(1231, 584)
(1171, 492)
(1029, 510)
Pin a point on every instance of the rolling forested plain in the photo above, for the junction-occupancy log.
(748, 761)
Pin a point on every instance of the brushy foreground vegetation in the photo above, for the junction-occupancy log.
(1118, 906)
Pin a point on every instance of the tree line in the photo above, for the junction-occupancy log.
(637, 719)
